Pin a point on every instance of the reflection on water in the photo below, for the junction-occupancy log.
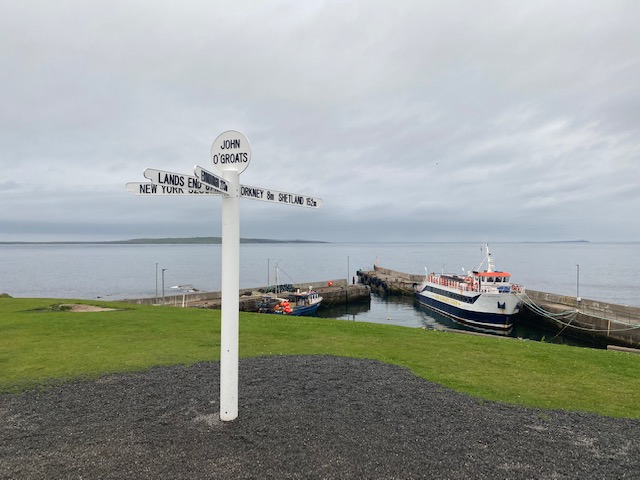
(405, 311)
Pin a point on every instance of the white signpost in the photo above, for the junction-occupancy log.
(231, 155)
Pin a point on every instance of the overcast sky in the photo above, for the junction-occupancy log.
(412, 120)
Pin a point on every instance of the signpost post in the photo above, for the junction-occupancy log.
(231, 155)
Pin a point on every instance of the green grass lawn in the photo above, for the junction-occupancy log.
(40, 346)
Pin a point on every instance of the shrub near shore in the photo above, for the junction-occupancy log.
(41, 344)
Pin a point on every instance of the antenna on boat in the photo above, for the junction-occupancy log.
(485, 248)
(490, 266)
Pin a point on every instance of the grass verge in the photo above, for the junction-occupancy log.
(40, 345)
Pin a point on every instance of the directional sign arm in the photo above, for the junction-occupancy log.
(149, 188)
(174, 182)
(211, 179)
(275, 196)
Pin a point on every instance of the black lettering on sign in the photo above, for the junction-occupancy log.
(193, 183)
(288, 198)
(232, 158)
(148, 188)
(228, 144)
(251, 192)
(224, 158)
(170, 190)
(206, 177)
(171, 179)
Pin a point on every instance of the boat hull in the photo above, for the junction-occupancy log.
(273, 305)
(304, 310)
(484, 312)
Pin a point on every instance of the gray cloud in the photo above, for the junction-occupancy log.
(413, 120)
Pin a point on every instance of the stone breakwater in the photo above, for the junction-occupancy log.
(333, 292)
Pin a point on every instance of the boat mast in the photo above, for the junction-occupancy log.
(277, 289)
(488, 258)
(490, 266)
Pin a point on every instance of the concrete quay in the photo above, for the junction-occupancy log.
(333, 292)
(592, 320)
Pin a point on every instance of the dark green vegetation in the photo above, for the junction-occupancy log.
(42, 343)
(169, 240)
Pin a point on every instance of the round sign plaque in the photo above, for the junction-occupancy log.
(231, 152)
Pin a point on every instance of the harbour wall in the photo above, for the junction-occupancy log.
(593, 320)
(596, 321)
(333, 292)
(390, 281)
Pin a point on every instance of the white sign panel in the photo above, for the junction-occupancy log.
(231, 152)
(211, 179)
(179, 180)
(275, 196)
(149, 188)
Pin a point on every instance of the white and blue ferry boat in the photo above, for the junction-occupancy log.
(484, 299)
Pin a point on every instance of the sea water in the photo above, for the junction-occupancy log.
(596, 271)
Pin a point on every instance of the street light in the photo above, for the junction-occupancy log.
(346, 290)
(163, 285)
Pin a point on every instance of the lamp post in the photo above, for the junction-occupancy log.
(346, 289)
(156, 282)
(163, 285)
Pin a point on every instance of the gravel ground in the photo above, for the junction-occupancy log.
(306, 417)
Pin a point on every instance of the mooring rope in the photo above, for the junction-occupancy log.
(571, 315)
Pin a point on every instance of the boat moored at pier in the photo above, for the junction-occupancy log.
(296, 303)
(480, 298)
(290, 303)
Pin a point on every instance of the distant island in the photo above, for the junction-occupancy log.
(560, 241)
(207, 240)
(164, 241)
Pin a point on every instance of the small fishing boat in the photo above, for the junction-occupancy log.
(290, 303)
(481, 298)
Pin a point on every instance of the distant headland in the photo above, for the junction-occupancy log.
(163, 241)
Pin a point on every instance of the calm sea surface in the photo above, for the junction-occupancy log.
(597, 271)
(606, 272)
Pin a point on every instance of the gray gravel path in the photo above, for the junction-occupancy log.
(306, 417)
